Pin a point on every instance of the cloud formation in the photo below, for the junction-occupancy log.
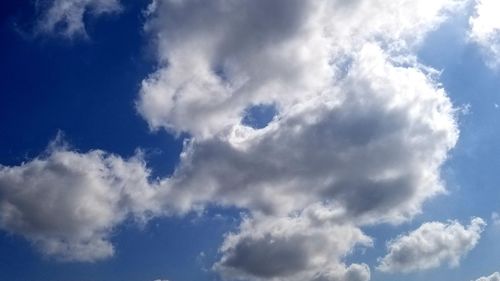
(372, 144)
(67, 203)
(360, 126)
(485, 30)
(373, 129)
(67, 17)
(493, 277)
(360, 133)
(431, 245)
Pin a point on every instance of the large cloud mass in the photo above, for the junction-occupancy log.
(360, 126)
(360, 133)
(431, 245)
(354, 125)
(372, 144)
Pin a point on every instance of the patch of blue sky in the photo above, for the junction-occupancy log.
(86, 89)
(259, 116)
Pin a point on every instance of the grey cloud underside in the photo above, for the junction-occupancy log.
(360, 134)
(303, 247)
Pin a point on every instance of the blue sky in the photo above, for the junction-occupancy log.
(252, 140)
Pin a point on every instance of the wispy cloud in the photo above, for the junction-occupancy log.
(66, 17)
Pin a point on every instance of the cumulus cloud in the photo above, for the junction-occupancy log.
(67, 17)
(485, 29)
(354, 124)
(493, 277)
(67, 203)
(431, 245)
(360, 133)
(301, 247)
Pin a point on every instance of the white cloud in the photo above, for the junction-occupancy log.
(493, 277)
(67, 203)
(431, 245)
(66, 17)
(485, 29)
(355, 125)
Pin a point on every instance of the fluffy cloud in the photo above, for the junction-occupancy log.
(66, 17)
(354, 124)
(431, 245)
(67, 203)
(301, 247)
(493, 277)
(485, 29)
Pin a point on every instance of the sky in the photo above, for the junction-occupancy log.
(249, 140)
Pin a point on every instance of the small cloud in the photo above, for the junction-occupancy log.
(201, 260)
(66, 17)
(493, 277)
(444, 243)
(495, 219)
(465, 109)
